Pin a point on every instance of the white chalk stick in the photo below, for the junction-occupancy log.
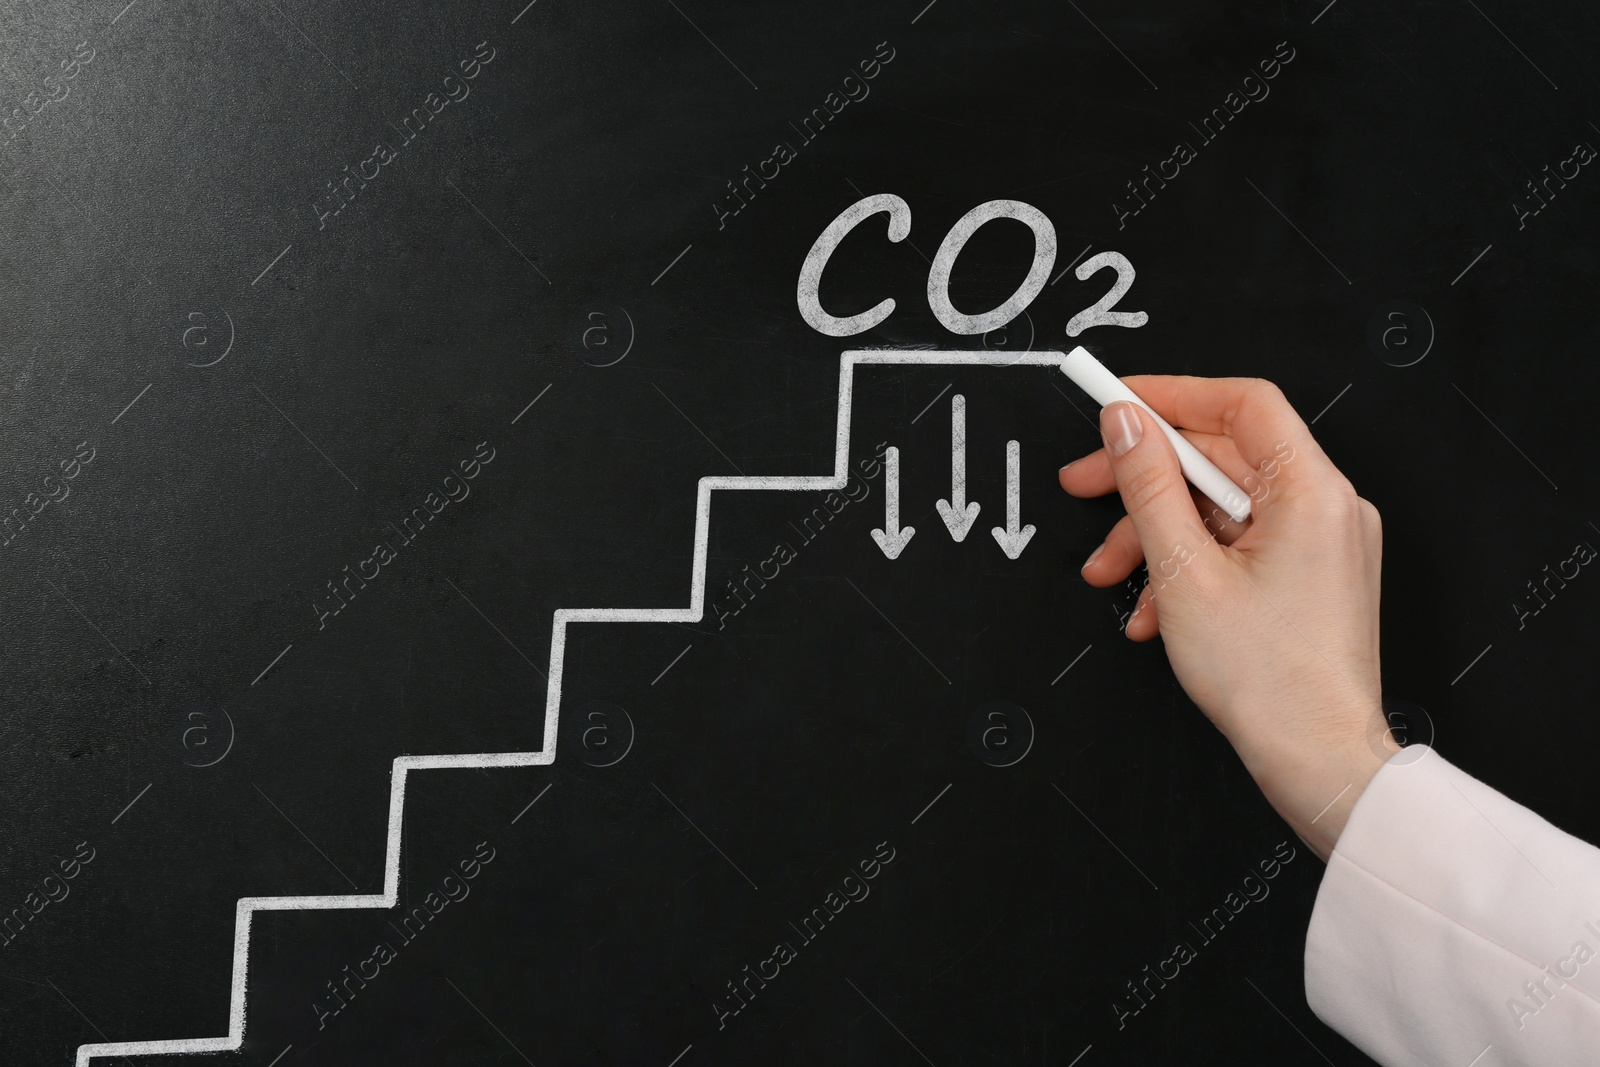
(1093, 377)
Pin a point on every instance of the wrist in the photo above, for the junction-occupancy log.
(1320, 825)
(1314, 785)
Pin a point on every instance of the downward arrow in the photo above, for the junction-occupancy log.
(1012, 539)
(893, 538)
(958, 515)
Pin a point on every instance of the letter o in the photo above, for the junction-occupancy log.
(1044, 257)
(811, 270)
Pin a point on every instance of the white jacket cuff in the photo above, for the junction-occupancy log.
(1454, 926)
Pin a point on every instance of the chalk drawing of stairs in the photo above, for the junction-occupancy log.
(246, 907)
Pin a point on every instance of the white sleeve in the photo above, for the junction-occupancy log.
(1454, 926)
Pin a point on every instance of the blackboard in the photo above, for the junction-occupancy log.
(354, 351)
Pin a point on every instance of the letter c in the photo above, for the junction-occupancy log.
(1044, 257)
(811, 270)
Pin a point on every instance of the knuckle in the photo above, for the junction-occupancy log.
(1255, 395)
(1336, 500)
(1372, 522)
(1262, 394)
(1265, 389)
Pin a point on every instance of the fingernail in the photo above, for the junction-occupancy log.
(1092, 556)
(1066, 468)
(1121, 426)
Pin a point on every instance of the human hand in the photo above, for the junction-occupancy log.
(1271, 626)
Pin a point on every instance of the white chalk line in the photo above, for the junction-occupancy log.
(246, 907)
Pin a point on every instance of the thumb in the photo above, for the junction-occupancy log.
(1153, 489)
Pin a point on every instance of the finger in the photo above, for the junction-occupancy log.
(1090, 475)
(1144, 623)
(1120, 553)
(1116, 557)
(1265, 428)
(1151, 483)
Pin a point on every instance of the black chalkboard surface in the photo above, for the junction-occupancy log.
(402, 665)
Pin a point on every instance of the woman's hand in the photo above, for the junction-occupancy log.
(1271, 626)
